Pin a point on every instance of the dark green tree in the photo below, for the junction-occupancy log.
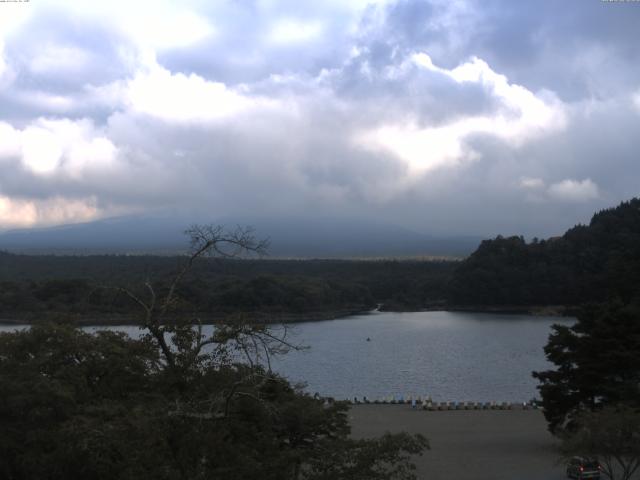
(597, 364)
(589, 263)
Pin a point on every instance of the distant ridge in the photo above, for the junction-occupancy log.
(290, 237)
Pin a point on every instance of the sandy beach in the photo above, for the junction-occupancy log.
(469, 444)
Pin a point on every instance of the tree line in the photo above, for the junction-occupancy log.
(588, 263)
(31, 286)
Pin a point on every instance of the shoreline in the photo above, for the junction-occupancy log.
(97, 320)
(534, 310)
(93, 320)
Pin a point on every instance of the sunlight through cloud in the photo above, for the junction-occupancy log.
(521, 115)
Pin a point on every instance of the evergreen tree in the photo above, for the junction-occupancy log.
(597, 364)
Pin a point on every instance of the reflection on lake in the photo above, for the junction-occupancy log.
(448, 355)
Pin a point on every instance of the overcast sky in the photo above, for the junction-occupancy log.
(443, 116)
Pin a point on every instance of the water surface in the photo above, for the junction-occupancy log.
(448, 355)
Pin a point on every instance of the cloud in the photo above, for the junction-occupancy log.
(3, 63)
(51, 57)
(10, 144)
(184, 98)
(48, 146)
(531, 183)
(168, 30)
(18, 213)
(574, 190)
(440, 116)
(636, 100)
(13, 17)
(519, 116)
(41, 149)
(290, 31)
(148, 24)
(7, 75)
(48, 102)
(566, 191)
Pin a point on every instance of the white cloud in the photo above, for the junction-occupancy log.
(422, 148)
(41, 149)
(97, 153)
(574, 190)
(71, 148)
(27, 213)
(7, 74)
(531, 183)
(10, 144)
(636, 100)
(53, 58)
(14, 15)
(165, 28)
(522, 114)
(520, 117)
(186, 98)
(151, 24)
(16, 213)
(49, 102)
(3, 63)
(290, 31)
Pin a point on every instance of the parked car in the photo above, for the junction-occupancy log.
(583, 467)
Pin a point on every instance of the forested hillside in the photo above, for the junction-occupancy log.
(32, 287)
(588, 263)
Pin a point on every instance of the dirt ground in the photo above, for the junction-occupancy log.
(469, 444)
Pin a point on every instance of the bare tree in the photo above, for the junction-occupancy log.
(183, 344)
(181, 340)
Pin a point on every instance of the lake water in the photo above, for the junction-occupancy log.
(448, 355)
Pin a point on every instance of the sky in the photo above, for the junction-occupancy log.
(445, 117)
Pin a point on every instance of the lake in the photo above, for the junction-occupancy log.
(449, 355)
